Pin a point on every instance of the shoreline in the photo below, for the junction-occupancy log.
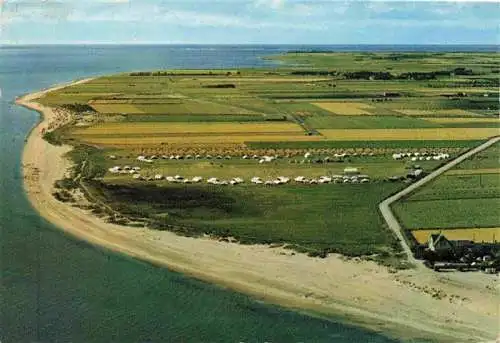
(368, 294)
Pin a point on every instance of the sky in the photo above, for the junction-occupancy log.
(249, 22)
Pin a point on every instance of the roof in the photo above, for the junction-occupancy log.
(437, 238)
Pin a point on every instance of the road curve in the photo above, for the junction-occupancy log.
(385, 206)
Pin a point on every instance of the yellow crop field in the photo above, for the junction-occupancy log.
(166, 128)
(115, 108)
(194, 140)
(344, 108)
(410, 134)
(489, 235)
(462, 120)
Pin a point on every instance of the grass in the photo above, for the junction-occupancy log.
(449, 213)
(441, 114)
(485, 159)
(376, 167)
(367, 122)
(353, 144)
(389, 61)
(483, 171)
(462, 120)
(334, 218)
(146, 128)
(345, 108)
(187, 141)
(193, 118)
(117, 108)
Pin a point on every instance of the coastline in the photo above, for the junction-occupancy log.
(401, 303)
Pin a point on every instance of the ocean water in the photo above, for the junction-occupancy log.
(56, 289)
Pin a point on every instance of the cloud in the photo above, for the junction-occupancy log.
(273, 4)
(336, 17)
(303, 9)
(41, 10)
(119, 11)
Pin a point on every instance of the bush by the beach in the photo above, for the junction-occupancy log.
(76, 107)
(53, 137)
(66, 183)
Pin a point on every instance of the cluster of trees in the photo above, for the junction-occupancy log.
(221, 85)
(314, 73)
(276, 118)
(462, 71)
(368, 75)
(385, 75)
(464, 84)
(402, 56)
(166, 73)
(76, 107)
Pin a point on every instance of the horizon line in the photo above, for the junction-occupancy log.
(248, 44)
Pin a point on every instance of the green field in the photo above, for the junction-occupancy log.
(457, 200)
(486, 159)
(395, 62)
(367, 122)
(334, 218)
(450, 213)
(153, 113)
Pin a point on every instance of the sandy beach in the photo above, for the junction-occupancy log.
(451, 307)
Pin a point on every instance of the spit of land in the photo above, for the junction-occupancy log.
(295, 158)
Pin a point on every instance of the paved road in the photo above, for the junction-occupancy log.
(385, 206)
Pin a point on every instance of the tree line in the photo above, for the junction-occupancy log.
(384, 75)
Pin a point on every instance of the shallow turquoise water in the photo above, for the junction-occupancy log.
(56, 289)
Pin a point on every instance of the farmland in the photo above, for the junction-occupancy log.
(328, 113)
(427, 134)
(461, 203)
(462, 120)
(488, 234)
(344, 108)
(190, 128)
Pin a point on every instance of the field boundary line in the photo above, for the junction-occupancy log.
(385, 206)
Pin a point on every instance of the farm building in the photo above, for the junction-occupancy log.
(439, 243)
(441, 253)
(415, 173)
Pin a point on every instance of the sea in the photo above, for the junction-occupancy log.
(54, 288)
